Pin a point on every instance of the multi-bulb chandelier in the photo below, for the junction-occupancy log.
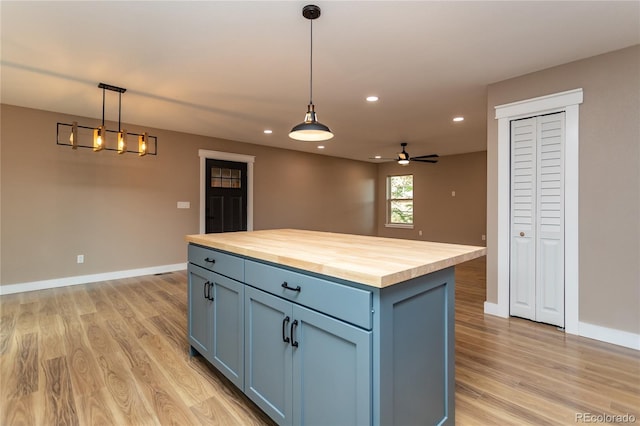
(100, 140)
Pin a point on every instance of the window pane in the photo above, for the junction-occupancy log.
(401, 187)
(402, 211)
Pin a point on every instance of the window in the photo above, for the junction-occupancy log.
(226, 178)
(400, 201)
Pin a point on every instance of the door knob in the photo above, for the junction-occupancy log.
(522, 234)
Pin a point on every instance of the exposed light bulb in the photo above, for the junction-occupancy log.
(142, 144)
(98, 138)
(73, 137)
(122, 141)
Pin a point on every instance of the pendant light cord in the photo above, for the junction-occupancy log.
(119, 110)
(311, 67)
(103, 107)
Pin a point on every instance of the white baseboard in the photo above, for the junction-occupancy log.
(609, 335)
(86, 279)
(494, 309)
(591, 331)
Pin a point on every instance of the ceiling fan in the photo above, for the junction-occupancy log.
(403, 157)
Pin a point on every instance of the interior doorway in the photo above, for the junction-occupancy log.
(569, 103)
(537, 218)
(226, 196)
(230, 178)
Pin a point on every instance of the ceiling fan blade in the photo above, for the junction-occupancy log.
(423, 160)
(426, 156)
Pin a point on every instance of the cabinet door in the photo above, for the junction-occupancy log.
(200, 313)
(268, 360)
(228, 328)
(331, 368)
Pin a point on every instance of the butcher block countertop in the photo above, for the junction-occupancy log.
(374, 261)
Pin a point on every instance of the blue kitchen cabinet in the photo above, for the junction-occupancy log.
(200, 308)
(300, 362)
(216, 321)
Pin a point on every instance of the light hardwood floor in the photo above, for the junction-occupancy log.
(116, 353)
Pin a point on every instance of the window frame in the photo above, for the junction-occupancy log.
(389, 200)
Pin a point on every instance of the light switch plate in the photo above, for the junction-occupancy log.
(184, 204)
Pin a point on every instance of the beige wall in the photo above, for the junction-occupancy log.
(120, 211)
(609, 186)
(441, 217)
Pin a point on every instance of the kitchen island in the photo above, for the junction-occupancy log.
(329, 329)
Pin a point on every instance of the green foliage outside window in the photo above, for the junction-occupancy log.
(400, 199)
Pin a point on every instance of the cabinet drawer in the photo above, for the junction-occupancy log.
(349, 304)
(213, 260)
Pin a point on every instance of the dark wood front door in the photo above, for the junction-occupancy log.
(226, 195)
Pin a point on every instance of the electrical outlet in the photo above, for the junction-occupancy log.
(484, 237)
(420, 232)
(453, 193)
(80, 258)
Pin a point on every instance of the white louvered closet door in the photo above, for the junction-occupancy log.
(537, 219)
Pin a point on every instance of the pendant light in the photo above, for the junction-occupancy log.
(311, 129)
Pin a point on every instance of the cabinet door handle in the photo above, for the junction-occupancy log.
(284, 327)
(207, 289)
(209, 260)
(294, 324)
(210, 296)
(286, 287)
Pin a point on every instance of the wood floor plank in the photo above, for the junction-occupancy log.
(125, 310)
(153, 384)
(191, 390)
(23, 379)
(60, 407)
(18, 411)
(84, 304)
(7, 329)
(51, 335)
(80, 358)
(121, 392)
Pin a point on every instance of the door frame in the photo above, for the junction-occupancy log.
(226, 156)
(568, 102)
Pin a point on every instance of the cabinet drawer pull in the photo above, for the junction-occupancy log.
(206, 259)
(294, 324)
(284, 327)
(286, 287)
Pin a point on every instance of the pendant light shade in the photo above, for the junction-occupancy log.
(311, 129)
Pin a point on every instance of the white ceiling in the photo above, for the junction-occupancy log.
(232, 69)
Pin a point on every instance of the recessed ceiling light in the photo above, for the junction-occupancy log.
(372, 98)
(320, 146)
(377, 157)
(458, 118)
(268, 132)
